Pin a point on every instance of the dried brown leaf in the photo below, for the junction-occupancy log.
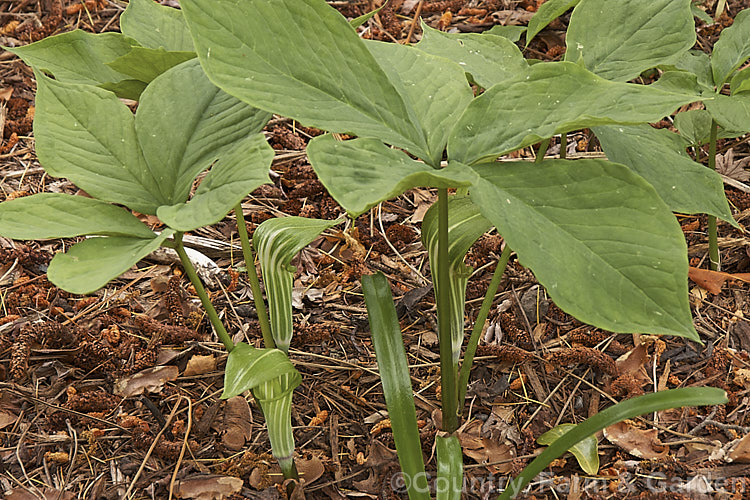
(208, 487)
(641, 443)
(726, 165)
(199, 364)
(148, 380)
(740, 452)
(712, 281)
(46, 494)
(484, 449)
(238, 423)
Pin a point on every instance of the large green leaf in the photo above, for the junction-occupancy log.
(145, 64)
(92, 263)
(694, 125)
(361, 173)
(586, 450)
(659, 157)
(619, 40)
(732, 49)
(156, 26)
(77, 56)
(465, 225)
(184, 122)
(598, 237)
(674, 398)
(450, 468)
(549, 10)
(249, 367)
(277, 241)
(54, 215)
(732, 113)
(394, 375)
(433, 87)
(240, 171)
(301, 59)
(87, 135)
(551, 98)
(489, 59)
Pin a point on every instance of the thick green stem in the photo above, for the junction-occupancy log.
(713, 236)
(563, 146)
(252, 275)
(543, 146)
(213, 316)
(484, 311)
(448, 369)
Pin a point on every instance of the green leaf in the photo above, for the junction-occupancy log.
(145, 64)
(125, 89)
(674, 398)
(394, 375)
(184, 122)
(359, 21)
(732, 49)
(586, 451)
(361, 173)
(598, 237)
(465, 225)
(156, 26)
(684, 82)
(240, 171)
(450, 468)
(249, 367)
(301, 59)
(277, 241)
(696, 62)
(54, 215)
(87, 135)
(659, 157)
(512, 33)
(77, 56)
(700, 14)
(694, 125)
(732, 113)
(432, 86)
(551, 98)
(550, 10)
(489, 59)
(619, 40)
(92, 263)
(741, 82)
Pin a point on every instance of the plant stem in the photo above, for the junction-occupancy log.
(252, 275)
(213, 316)
(713, 236)
(543, 146)
(484, 311)
(448, 369)
(563, 146)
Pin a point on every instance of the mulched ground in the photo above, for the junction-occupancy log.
(72, 424)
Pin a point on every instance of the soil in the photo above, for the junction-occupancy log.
(74, 425)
